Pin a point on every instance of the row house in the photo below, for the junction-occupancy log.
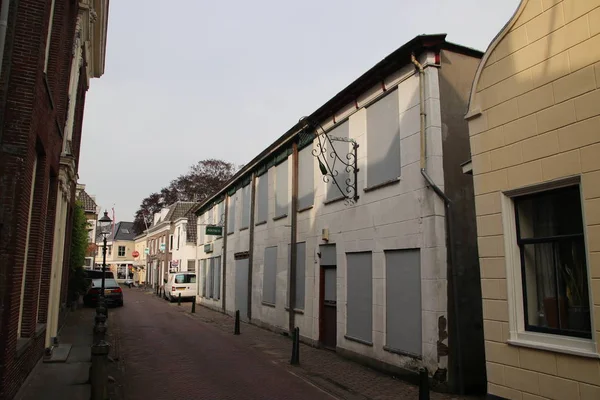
(120, 245)
(91, 211)
(534, 124)
(49, 51)
(167, 242)
(140, 254)
(357, 225)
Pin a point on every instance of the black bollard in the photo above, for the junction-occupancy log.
(295, 347)
(99, 370)
(194, 306)
(423, 384)
(179, 299)
(236, 328)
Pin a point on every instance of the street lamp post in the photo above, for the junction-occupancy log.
(104, 223)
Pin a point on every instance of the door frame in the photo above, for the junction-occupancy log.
(322, 269)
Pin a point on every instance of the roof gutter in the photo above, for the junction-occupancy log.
(449, 225)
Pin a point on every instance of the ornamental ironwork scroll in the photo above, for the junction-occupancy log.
(330, 161)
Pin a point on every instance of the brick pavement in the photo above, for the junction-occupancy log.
(166, 354)
(339, 376)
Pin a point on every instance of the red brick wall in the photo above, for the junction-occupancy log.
(32, 116)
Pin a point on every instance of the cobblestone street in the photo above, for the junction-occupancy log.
(168, 353)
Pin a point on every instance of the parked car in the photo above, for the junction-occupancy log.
(91, 274)
(183, 283)
(113, 293)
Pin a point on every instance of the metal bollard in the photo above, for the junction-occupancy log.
(100, 319)
(236, 328)
(99, 370)
(179, 299)
(295, 347)
(99, 332)
(423, 384)
(194, 306)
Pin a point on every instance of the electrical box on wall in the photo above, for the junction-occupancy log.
(325, 234)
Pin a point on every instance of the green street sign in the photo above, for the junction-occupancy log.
(214, 230)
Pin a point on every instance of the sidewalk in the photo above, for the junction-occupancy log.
(66, 375)
(323, 368)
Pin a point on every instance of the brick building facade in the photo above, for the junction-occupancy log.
(41, 113)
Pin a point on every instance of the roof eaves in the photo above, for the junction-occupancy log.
(388, 65)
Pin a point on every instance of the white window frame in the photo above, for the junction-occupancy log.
(518, 336)
(49, 37)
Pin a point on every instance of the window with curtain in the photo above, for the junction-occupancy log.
(210, 277)
(262, 198)
(550, 235)
(383, 140)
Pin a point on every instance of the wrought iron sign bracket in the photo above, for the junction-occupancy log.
(331, 163)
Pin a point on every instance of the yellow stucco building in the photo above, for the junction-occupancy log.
(534, 122)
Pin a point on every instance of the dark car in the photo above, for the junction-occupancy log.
(113, 293)
(91, 274)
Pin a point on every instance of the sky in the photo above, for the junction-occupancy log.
(189, 80)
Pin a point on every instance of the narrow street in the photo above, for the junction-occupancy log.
(167, 354)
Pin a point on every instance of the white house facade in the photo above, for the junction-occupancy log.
(362, 256)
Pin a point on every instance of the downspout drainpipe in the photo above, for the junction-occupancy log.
(224, 256)
(293, 250)
(251, 243)
(447, 204)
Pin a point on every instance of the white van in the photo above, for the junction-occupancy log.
(183, 283)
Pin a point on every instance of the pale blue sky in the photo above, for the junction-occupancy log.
(188, 80)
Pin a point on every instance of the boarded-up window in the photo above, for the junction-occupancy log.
(342, 148)
(246, 193)
(201, 229)
(300, 274)
(217, 277)
(281, 189)
(262, 198)
(306, 175)
(231, 214)
(210, 278)
(270, 275)
(204, 280)
(383, 140)
(403, 301)
(200, 278)
(328, 256)
(360, 296)
(191, 265)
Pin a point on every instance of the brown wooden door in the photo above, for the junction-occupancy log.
(328, 336)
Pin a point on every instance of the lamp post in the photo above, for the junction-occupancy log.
(104, 223)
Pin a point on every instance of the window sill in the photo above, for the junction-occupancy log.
(401, 353)
(243, 229)
(305, 209)
(260, 223)
(264, 303)
(357, 340)
(230, 233)
(380, 185)
(296, 310)
(280, 217)
(22, 345)
(572, 346)
(336, 200)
